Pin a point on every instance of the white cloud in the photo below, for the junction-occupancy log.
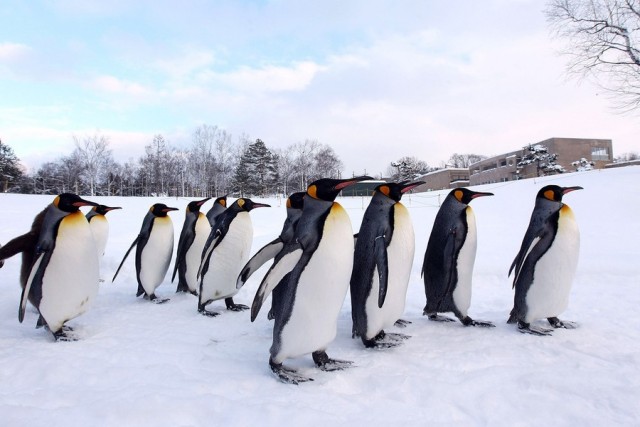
(13, 51)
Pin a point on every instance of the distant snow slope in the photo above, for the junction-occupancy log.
(165, 365)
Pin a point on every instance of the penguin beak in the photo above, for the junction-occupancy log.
(408, 187)
(260, 205)
(480, 194)
(170, 209)
(83, 202)
(112, 209)
(566, 190)
(202, 202)
(347, 182)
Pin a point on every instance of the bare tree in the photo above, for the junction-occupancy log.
(603, 39)
(463, 160)
(93, 153)
(408, 168)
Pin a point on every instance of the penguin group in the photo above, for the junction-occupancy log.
(315, 261)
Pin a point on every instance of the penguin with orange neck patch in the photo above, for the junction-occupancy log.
(449, 258)
(310, 279)
(546, 263)
(382, 265)
(219, 206)
(60, 264)
(100, 226)
(154, 247)
(226, 250)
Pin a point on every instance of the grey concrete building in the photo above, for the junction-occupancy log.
(443, 179)
(504, 167)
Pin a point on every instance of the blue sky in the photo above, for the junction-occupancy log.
(377, 80)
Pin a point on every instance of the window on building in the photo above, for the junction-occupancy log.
(599, 153)
(503, 163)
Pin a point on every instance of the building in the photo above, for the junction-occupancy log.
(505, 166)
(443, 179)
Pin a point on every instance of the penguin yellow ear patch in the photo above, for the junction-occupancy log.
(312, 191)
(56, 201)
(223, 202)
(458, 195)
(241, 202)
(288, 203)
(385, 190)
(549, 195)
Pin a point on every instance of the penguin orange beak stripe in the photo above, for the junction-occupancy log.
(352, 181)
(261, 205)
(481, 195)
(566, 190)
(170, 209)
(410, 187)
(83, 202)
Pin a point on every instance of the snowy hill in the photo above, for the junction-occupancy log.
(165, 365)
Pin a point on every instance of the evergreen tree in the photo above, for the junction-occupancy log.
(545, 162)
(10, 169)
(257, 171)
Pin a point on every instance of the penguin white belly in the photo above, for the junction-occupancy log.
(227, 259)
(548, 294)
(466, 259)
(399, 259)
(70, 280)
(321, 290)
(193, 257)
(100, 229)
(156, 254)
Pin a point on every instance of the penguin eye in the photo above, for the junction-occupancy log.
(385, 190)
(241, 202)
(549, 194)
(458, 195)
(312, 191)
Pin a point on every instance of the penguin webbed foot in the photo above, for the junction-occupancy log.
(64, 334)
(402, 323)
(287, 375)
(468, 321)
(208, 313)
(325, 363)
(233, 306)
(385, 340)
(526, 328)
(438, 318)
(565, 324)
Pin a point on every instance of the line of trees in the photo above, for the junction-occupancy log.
(212, 166)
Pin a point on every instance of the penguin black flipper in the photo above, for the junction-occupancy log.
(442, 280)
(212, 242)
(135, 242)
(382, 263)
(525, 274)
(186, 240)
(268, 251)
(33, 286)
(285, 262)
(18, 244)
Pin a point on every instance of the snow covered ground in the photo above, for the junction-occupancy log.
(139, 363)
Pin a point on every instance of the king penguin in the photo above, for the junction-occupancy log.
(295, 201)
(194, 234)
(153, 251)
(310, 279)
(449, 258)
(546, 263)
(219, 205)
(59, 264)
(382, 265)
(100, 226)
(225, 252)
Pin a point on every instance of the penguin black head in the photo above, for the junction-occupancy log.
(160, 209)
(296, 200)
(195, 205)
(327, 189)
(69, 202)
(395, 190)
(102, 209)
(465, 196)
(243, 204)
(221, 201)
(554, 193)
